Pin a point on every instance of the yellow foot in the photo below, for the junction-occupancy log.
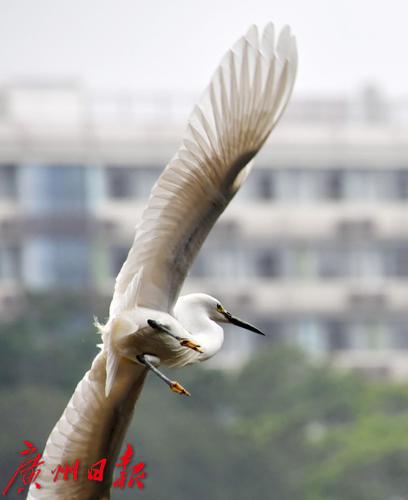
(176, 387)
(191, 345)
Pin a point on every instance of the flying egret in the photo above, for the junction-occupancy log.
(148, 324)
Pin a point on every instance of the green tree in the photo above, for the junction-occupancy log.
(282, 428)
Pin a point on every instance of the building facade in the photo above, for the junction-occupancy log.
(314, 249)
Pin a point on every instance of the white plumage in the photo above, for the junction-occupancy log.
(245, 99)
(237, 112)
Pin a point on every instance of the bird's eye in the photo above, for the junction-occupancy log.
(219, 308)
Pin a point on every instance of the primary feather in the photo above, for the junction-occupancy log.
(242, 104)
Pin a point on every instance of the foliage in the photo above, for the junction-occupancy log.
(283, 428)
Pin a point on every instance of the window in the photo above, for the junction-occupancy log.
(385, 185)
(130, 182)
(310, 334)
(146, 177)
(59, 189)
(118, 256)
(402, 184)
(69, 262)
(120, 182)
(303, 262)
(356, 185)
(400, 335)
(335, 184)
(331, 263)
(370, 185)
(268, 264)
(8, 181)
(337, 335)
(396, 261)
(199, 267)
(10, 263)
(364, 262)
(369, 334)
(56, 262)
(333, 189)
(266, 187)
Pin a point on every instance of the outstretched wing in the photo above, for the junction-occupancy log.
(245, 99)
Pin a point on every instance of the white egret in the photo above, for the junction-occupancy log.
(147, 325)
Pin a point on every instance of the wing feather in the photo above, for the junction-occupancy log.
(245, 99)
(90, 428)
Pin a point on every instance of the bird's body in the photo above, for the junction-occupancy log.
(149, 324)
(133, 337)
(93, 426)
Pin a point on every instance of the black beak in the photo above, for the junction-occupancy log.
(242, 324)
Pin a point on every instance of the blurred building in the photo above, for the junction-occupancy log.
(314, 249)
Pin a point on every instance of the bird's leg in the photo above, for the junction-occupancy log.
(149, 361)
(182, 340)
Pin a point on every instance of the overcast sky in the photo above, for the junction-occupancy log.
(175, 45)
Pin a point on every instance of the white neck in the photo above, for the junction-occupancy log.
(194, 318)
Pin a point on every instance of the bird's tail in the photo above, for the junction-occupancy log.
(109, 333)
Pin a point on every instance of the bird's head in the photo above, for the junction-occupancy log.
(217, 312)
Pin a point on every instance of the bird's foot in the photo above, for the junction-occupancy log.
(183, 341)
(191, 345)
(178, 388)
